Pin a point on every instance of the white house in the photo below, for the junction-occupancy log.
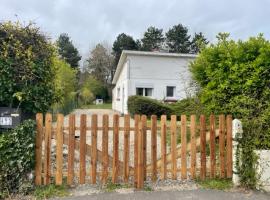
(158, 75)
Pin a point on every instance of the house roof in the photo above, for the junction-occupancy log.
(125, 53)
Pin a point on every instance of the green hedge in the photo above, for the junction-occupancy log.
(16, 157)
(146, 106)
(187, 107)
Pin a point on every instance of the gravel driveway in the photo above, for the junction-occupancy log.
(100, 113)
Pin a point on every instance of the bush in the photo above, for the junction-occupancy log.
(16, 157)
(187, 107)
(146, 106)
(26, 70)
(234, 77)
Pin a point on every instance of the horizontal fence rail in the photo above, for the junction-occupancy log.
(130, 150)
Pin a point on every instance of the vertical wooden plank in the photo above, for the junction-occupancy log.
(212, 146)
(144, 125)
(140, 172)
(163, 147)
(59, 150)
(173, 146)
(126, 147)
(38, 149)
(229, 146)
(115, 167)
(222, 145)
(193, 146)
(94, 149)
(82, 148)
(71, 148)
(136, 134)
(203, 146)
(47, 149)
(105, 155)
(183, 147)
(154, 147)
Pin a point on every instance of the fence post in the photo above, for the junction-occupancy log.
(115, 166)
(163, 147)
(140, 168)
(59, 150)
(236, 129)
(38, 149)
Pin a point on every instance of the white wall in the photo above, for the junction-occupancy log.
(160, 72)
(120, 104)
(152, 72)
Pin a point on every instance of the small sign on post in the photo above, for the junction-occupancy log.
(9, 117)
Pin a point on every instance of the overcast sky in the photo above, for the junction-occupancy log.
(89, 22)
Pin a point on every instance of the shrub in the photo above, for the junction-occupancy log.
(187, 107)
(234, 77)
(146, 106)
(16, 157)
(26, 70)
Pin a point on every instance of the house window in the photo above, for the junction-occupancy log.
(170, 91)
(139, 91)
(148, 92)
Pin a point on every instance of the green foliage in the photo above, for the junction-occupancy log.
(65, 82)
(67, 51)
(216, 184)
(92, 89)
(50, 191)
(152, 39)
(198, 42)
(246, 158)
(187, 107)
(234, 77)
(26, 72)
(178, 39)
(122, 42)
(16, 157)
(146, 106)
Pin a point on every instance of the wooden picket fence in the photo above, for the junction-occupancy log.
(196, 139)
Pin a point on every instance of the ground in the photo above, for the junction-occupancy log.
(199, 194)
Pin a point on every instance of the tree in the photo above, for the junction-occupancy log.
(198, 42)
(67, 51)
(178, 39)
(152, 39)
(122, 42)
(100, 64)
(26, 70)
(234, 78)
(65, 83)
(92, 89)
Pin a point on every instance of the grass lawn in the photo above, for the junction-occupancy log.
(98, 106)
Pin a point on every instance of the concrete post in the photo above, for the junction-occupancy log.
(237, 131)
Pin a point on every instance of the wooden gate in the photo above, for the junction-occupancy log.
(104, 150)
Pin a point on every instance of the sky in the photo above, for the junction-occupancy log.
(89, 22)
